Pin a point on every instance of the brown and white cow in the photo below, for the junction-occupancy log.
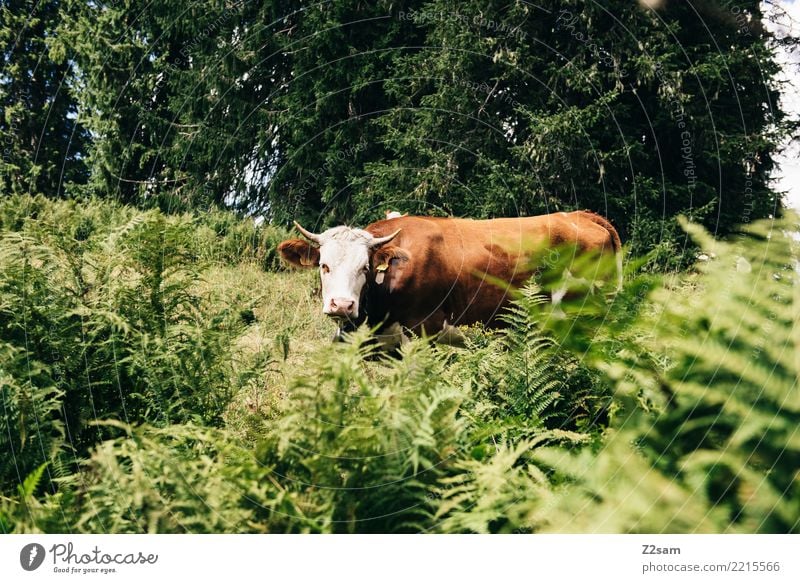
(429, 274)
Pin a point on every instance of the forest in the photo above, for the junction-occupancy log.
(163, 371)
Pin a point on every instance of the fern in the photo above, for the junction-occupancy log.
(184, 479)
(721, 351)
(671, 406)
(370, 442)
(101, 316)
(504, 492)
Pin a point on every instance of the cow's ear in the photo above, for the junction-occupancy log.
(386, 253)
(299, 253)
(389, 264)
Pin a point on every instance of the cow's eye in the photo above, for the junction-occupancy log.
(366, 268)
(324, 268)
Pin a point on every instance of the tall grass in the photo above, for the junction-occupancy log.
(155, 378)
(101, 318)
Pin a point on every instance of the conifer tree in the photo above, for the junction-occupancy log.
(332, 112)
(42, 144)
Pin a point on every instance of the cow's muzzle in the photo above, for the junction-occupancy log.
(341, 308)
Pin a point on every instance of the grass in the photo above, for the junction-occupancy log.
(158, 377)
(288, 324)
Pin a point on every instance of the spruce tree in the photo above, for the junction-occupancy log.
(485, 108)
(176, 96)
(42, 144)
(334, 112)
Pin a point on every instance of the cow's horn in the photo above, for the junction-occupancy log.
(381, 240)
(307, 234)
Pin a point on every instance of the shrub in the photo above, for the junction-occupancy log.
(716, 357)
(180, 479)
(671, 406)
(225, 238)
(101, 317)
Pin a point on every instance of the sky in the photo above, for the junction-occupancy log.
(788, 175)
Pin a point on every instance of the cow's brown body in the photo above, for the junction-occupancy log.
(439, 276)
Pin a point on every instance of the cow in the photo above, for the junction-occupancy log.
(429, 274)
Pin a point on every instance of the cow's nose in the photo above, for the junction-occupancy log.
(341, 307)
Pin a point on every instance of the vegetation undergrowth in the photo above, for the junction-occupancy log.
(160, 373)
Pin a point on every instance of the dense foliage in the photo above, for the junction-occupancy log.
(334, 111)
(148, 384)
(102, 316)
(160, 372)
(41, 141)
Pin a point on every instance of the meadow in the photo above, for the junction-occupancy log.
(163, 373)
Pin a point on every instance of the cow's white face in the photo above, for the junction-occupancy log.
(343, 268)
(343, 257)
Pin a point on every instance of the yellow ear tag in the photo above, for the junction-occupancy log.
(381, 273)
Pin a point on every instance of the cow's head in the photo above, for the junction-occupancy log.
(344, 256)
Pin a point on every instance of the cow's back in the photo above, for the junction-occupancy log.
(456, 267)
